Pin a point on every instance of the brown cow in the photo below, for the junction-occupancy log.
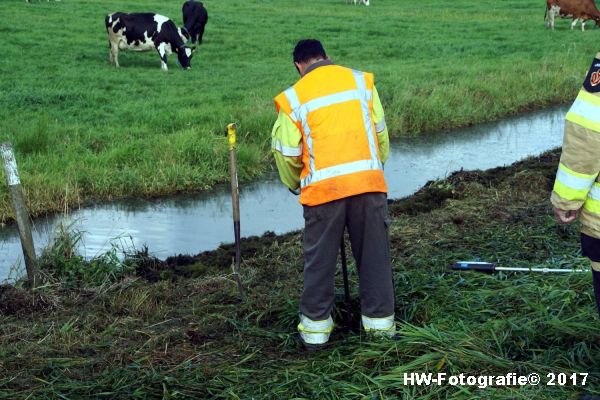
(579, 10)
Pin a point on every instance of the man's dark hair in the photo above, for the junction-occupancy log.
(307, 49)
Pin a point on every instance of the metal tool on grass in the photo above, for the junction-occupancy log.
(235, 202)
(492, 267)
(348, 313)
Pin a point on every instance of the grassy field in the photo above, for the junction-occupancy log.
(175, 328)
(85, 131)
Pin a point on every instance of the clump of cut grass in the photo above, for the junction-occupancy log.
(62, 263)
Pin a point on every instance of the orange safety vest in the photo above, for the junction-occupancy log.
(332, 106)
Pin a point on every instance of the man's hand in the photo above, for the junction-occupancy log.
(564, 216)
(295, 192)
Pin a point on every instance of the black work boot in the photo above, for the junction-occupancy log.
(596, 276)
(309, 346)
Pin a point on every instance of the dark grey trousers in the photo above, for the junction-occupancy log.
(367, 220)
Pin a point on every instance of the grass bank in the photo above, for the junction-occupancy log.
(85, 131)
(175, 329)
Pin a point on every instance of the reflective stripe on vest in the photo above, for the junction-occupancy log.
(585, 111)
(571, 185)
(300, 113)
(592, 203)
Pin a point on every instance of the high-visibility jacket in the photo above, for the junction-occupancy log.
(577, 184)
(332, 106)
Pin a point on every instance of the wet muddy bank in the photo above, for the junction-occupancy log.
(461, 186)
(431, 197)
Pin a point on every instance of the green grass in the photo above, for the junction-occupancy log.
(86, 131)
(163, 333)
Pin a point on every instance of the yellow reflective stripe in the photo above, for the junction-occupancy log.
(585, 111)
(589, 98)
(302, 328)
(592, 204)
(574, 180)
(578, 174)
(379, 324)
(569, 193)
(586, 123)
(307, 325)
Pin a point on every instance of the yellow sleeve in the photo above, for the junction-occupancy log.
(579, 162)
(380, 127)
(286, 146)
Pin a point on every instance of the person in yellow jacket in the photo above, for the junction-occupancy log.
(330, 141)
(577, 185)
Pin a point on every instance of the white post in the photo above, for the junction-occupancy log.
(21, 212)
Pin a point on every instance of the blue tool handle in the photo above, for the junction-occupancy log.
(474, 266)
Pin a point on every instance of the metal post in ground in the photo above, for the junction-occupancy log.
(235, 201)
(21, 212)
(348, 313)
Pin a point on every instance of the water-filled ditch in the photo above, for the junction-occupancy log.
(189, 224)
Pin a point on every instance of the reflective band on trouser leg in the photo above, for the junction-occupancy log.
(592, 203)
(315, 332)
(571, 185)
(585, 111)
(384, 326)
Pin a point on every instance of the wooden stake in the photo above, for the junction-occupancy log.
(21, 213)
(235, 202)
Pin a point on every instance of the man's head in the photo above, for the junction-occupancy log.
(308, 52)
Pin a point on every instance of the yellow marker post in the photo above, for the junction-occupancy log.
(235, 202)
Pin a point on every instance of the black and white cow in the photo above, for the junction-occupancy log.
(143, 32)
(194, 19)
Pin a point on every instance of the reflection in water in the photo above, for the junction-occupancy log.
(190, 224)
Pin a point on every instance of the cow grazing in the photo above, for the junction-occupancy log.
(144, 32)
(579, 10)
(194, 19)
(365, 2)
